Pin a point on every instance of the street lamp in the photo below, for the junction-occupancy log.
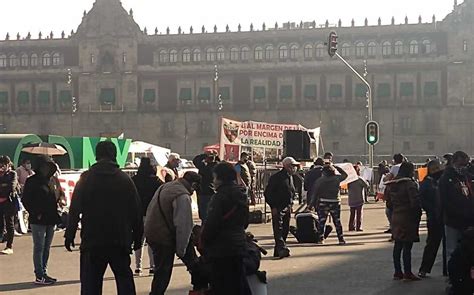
(73, 100)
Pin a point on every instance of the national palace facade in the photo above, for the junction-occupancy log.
(110, 77)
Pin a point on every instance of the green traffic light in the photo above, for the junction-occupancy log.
(371, 138)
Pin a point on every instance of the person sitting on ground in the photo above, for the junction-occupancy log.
(307, 228)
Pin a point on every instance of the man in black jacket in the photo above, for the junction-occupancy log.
(39, 199)
(111, 221)
(279, 195)
(310, 178)
(205, 163)
(455, 189)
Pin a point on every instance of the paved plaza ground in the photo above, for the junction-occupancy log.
(363, 266)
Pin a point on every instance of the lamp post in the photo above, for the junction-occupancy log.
(73, 100)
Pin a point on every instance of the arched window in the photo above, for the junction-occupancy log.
(269, 52)
(34, 60)
(13, 61)
(414, 49)
(283, 52)
(210, 54)
(360, 49)
(346, 50)
(372, 49)
(163, 57)
(186, 55)
(3, 61)
(427, 48)
(320, 50)
(234, 54)
(173, 55)
(258, 53)
(244, 53)
(386, 48)
(399, 48)
(308, 51)
(56, 59)
(24, 60)
(197, 55)
(294, 51)
(46, 60)
(220, 54)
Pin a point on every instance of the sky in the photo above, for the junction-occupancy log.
(25, 16)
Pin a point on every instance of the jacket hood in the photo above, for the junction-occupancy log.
(175, 189)
(398, 180)
(105, 168)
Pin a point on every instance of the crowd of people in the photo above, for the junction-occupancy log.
(119, 215)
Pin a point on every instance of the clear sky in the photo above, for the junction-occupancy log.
(57, 15)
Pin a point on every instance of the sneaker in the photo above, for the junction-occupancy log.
(50, 278)
(410, 277)
(422, 274)
(283, 253)
(7, 251)
(17, 234)
(43, 282)
(320, 242)
(398, 276)
(351, 229)
(359, 230)
(138, 272)
(342, 242)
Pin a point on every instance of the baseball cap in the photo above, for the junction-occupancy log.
(174, 156)
(289, 161)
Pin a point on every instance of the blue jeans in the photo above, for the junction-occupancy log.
(42, 239)
(453, 239)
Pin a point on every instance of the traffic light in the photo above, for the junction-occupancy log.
(372, 132)
(332, 44)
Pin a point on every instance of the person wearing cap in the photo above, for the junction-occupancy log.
(39, 199)
(279, 195)
(432, 205)
(106, 202)
(173, 163)
(205, 163)
(327, 199)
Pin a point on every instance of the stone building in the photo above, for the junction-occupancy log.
(112, 77)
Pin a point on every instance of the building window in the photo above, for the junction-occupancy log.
(283, 52)
(197, 55)
(186, 55)
(220, 54)
(44, 98)
(335, 91)
(234, 54)
(361, 90)
(224, 93)
(308, 51)
(431, 145)
(204, 94)
(320, 50)
(386, 48)
(360, 49)
(3, 99)
(124, 58)
(46, 60)
(149, 96)
(406, 124)
(13, 61)
(464, 46)
(163, 57)
(3, 61)
(186, 95)
(107, 96)
(407, 89)
(258, 53)
(310, 92)
(399, 48)
(427, 48)
(167, 129)
(173, 56)
(23, 98)
(383, 90)
(414, 49)
(286, 92)
(406, 146)
(210, 54)
(92, 59)
(346, 50)
(56, 59)
(259, 93)
(24, 60)
(430, 90)
(34, 60)
(372, 49)
(204, 128)
(244, 53)
(269, 52)
(335, 146)
(294, 51)
(65, 98)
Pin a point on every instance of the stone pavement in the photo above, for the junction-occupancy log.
(364, 266)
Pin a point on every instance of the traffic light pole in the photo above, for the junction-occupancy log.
(369, 103)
